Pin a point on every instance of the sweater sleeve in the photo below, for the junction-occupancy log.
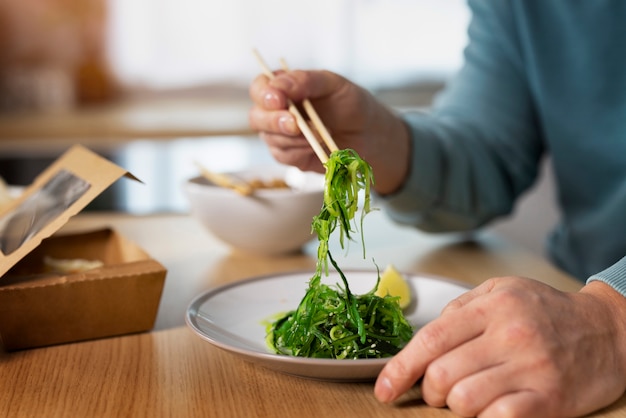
(614, 276)
(479, 148)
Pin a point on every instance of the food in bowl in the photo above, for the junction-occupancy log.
(270, 221)
(277, 183)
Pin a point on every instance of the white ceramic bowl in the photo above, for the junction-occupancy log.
(271, 221)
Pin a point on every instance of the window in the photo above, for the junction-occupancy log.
(179, 43)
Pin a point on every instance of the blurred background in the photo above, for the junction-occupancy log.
(156, 84)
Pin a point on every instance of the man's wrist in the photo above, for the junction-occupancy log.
(614, 303)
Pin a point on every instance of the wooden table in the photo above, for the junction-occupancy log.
(171, 372)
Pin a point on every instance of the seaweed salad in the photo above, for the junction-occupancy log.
(330, 321)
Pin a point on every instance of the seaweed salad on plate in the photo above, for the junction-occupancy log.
(330, 321)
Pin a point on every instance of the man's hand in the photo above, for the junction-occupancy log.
(517, 347)
(353, 116)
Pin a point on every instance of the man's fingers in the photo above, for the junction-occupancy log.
(470, 295)
(266, 96)
(450, 373)
(280, 121)
(474, 393)
(300, 85)
(432, 341)
(522, 404)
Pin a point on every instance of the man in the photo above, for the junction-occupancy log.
(539, 77)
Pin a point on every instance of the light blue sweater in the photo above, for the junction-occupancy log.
(540, 77)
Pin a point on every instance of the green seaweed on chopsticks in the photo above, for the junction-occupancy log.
(346, 175)
(330, 321)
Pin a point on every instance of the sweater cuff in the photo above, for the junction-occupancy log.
(614, 276)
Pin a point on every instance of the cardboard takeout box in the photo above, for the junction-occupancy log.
(65, 288)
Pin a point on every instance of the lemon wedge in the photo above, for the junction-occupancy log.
(394, 284)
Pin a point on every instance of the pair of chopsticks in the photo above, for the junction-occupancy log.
(303, 124)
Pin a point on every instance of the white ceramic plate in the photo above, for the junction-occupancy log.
(232, 318)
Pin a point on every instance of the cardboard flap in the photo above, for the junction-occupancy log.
(57, 194)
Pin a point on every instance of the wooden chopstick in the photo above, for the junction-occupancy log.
(301, 122)
(317, 121)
